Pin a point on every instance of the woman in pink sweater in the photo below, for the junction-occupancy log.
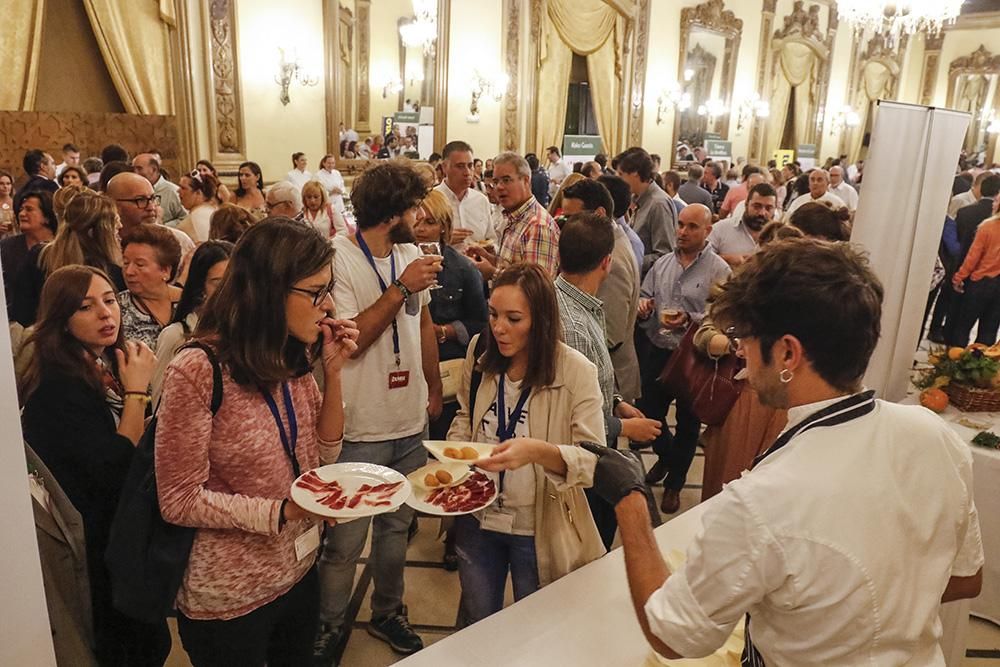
(250, 592)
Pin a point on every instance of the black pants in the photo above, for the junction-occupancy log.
(280, 633)
(676, 450)
(981, 301)
(122, 641)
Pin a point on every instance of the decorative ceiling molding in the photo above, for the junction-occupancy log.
(228, 140)
(980, 60)
(801, 23)
(711, 15)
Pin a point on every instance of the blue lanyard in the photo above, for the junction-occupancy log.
(288, 441)
(381, 283)
(505, 429)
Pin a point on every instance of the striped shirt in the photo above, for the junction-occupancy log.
(529, 235)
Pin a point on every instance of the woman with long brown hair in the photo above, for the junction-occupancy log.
(85, 395)
(250, 593)
(538, 399)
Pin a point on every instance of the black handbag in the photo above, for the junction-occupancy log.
(146, 556)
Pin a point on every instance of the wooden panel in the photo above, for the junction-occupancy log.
(21, 131)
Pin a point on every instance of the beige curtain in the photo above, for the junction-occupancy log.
(591, 28)
(20, 42)
(876, 79)
(134, 38)
(797, 64)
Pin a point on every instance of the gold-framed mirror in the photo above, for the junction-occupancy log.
(708, 51)
(974, 87)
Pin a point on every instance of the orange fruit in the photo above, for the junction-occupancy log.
(934, 399)
(955, 353)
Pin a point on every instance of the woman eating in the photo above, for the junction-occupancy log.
(537, 400)
(151, 255)
(318, 212)
(208, 265)
(250, 593)
(85, 397)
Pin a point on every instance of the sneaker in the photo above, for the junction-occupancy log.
(395, 630)
(325, 646)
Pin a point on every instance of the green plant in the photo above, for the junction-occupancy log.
(972, 368)
(987, 439)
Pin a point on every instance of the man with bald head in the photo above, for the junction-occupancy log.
(819, 191)
(139, 205)
(843, 189)
(147, 165)
(672, 298)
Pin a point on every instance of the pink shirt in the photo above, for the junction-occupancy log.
(227, 477)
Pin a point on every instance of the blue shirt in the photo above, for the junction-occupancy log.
(633, 240)
(670, 285)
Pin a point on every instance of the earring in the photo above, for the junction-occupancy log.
(785, 376)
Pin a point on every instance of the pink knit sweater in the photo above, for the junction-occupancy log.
(227, 477)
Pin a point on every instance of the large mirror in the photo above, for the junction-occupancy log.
(709, 46)
(974, 86)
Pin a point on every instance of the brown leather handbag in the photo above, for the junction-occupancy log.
(708, 386)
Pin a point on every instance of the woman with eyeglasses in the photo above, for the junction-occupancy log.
(198, 195)
(250, 192)
(208, 265)
(250, 594)
(151, 256)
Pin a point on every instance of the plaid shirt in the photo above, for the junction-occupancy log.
(529, 235)
(582, 317)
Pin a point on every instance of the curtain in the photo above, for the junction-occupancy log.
(21, 41)
(876, 79)
(134, 39)
(796, 69)
(591, 28)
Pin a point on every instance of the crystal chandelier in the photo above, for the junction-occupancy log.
(422, 30)
(899, 17)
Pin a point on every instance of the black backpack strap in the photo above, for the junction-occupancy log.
(477, 376)
(216, 373)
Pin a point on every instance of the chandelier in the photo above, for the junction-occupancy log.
(422, 30)
(898, 17)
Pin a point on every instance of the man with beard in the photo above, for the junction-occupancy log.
(391, 386)
(848, 533)
(735, 239)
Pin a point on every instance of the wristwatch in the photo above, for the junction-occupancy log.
(402, 288)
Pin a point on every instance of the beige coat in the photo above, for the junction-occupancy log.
(620, 295)
(565, 413)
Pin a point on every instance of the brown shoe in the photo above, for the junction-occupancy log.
(671, 501)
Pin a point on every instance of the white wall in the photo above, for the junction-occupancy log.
(274, 131)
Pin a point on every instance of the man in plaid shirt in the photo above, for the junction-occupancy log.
(529, 233)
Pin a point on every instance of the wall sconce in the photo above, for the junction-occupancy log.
(750, 108)
(392, 86)
(994, 126)
(414, 73)
(712, 108)
(493, 86)
(672, 96)
(289, 70)
(842, 118)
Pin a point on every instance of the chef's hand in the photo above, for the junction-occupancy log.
(617, 473)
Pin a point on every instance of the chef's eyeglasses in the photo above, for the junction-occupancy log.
(318, 296)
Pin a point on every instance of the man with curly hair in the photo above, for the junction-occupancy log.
(391, 386)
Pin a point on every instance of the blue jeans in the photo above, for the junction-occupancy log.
(484, 558)
(345, 541)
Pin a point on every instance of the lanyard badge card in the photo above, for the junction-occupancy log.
(397, 377)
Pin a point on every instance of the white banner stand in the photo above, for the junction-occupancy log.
(25, 636)
(904, 198)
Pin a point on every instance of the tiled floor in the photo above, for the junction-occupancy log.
(432, 597)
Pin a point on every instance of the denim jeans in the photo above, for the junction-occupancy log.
(484, 558)
(344, 542)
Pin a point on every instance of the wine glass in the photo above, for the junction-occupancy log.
(432, 249)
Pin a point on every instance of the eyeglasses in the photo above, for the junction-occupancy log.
(734, 338)
(318, 296)
(142, 202)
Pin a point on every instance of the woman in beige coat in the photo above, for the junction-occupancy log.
(537, 399)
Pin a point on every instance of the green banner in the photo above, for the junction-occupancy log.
(806, 150)
(717, 148)
(582, 144)
(406, 116)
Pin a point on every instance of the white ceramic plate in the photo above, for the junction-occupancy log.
(351, 477)
(458, 472)
(418, 498)
(437, 447)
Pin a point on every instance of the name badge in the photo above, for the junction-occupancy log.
(398, 379)
(307, 542)
(498, 520)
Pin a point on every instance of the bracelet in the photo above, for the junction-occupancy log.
(404, 290)
(139, 395)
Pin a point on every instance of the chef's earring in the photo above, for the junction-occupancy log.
(785, 376)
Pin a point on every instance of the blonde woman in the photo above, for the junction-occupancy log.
(318, 212)
(88, 235)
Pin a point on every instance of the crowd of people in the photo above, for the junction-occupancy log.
(559, 297)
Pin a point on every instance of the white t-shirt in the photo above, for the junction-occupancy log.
(839, 545)
(372, 411)
(518, 491)
(472, 212)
